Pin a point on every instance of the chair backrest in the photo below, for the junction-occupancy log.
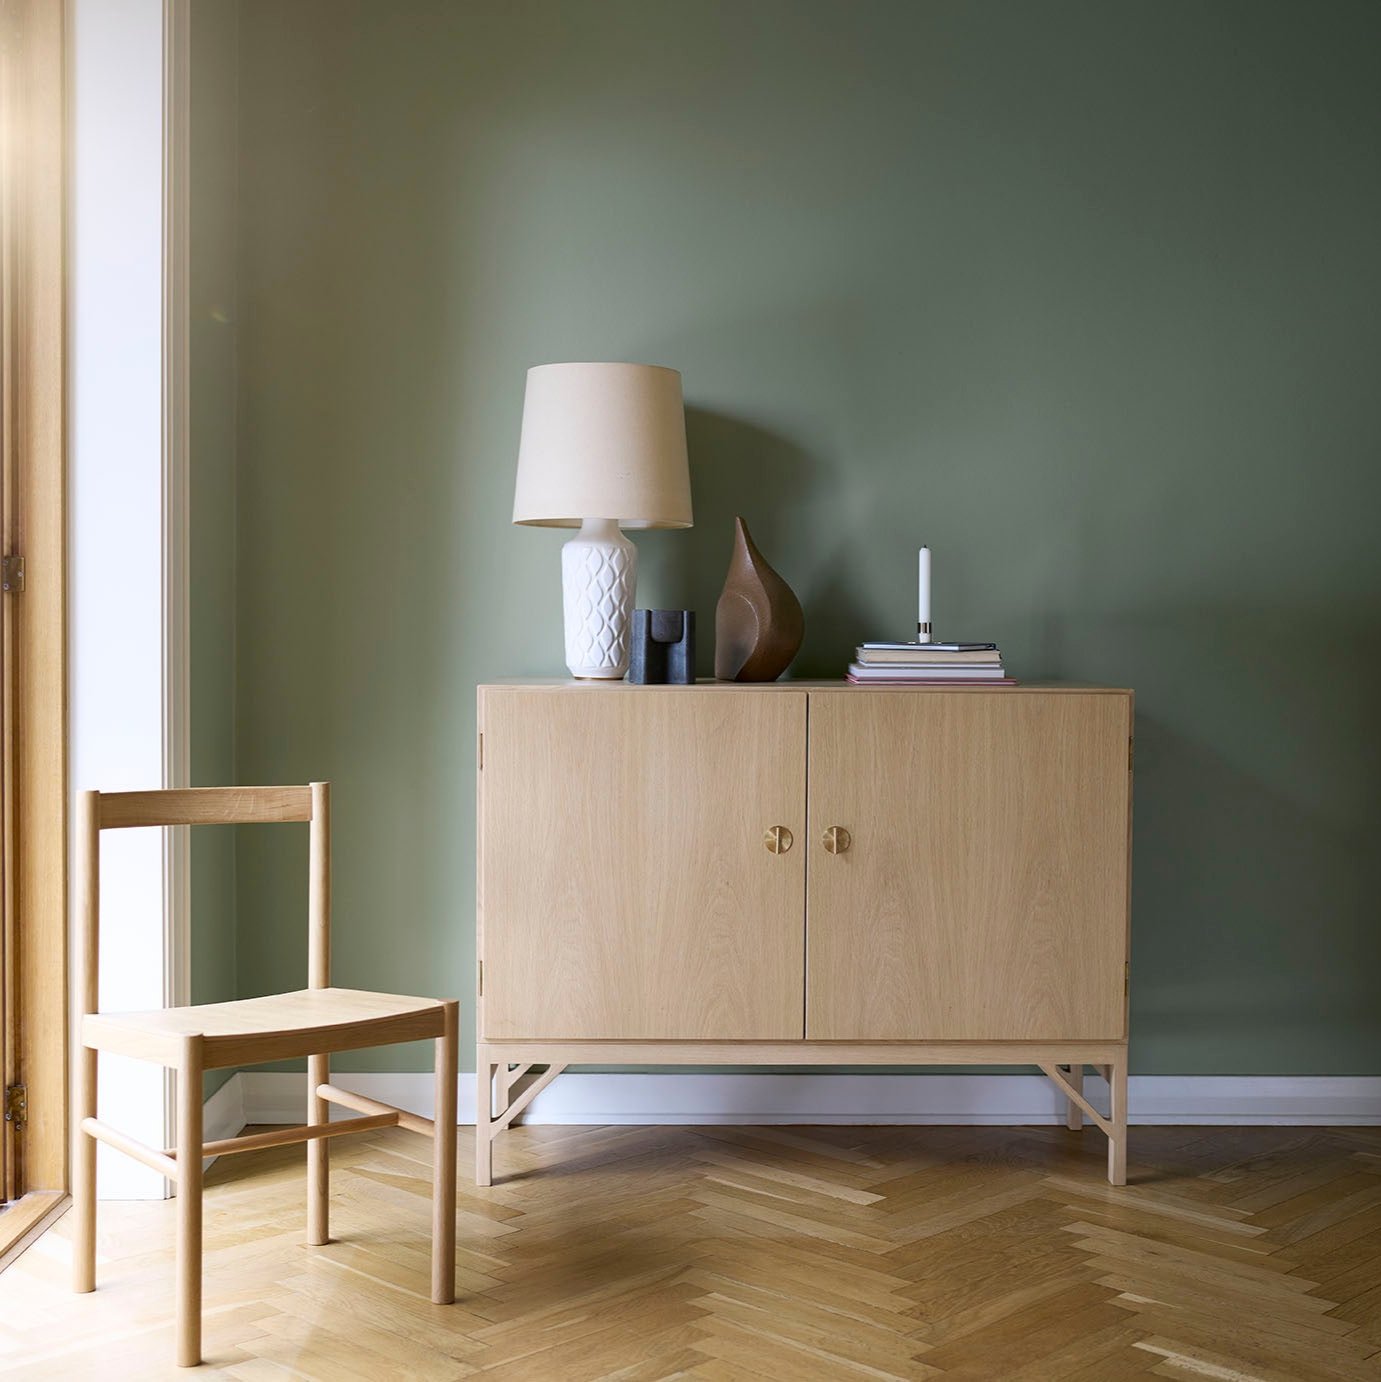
(97, 811)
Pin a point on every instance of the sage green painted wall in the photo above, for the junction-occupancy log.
(1086, 295)
(212, 461)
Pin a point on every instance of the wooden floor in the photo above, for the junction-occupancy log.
(782, 1253)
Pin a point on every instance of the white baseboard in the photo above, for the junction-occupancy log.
(223, 1114)
(1267, 1100)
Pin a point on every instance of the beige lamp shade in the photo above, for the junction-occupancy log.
(603, 441)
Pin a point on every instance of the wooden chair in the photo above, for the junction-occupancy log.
(312, 1022)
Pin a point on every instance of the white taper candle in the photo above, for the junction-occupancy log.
(923, 598)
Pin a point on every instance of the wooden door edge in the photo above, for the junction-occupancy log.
(36, 618)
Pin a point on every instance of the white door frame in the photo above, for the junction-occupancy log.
(177, 16)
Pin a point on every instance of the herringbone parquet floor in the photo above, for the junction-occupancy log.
(782, 1253)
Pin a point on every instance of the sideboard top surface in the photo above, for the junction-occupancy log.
(710, 684)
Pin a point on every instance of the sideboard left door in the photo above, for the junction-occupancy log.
(627, 889)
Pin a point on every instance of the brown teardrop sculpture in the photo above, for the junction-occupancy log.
(758, 624)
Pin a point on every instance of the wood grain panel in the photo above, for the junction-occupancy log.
(626, 890)
(984, 895)
(741, 1053)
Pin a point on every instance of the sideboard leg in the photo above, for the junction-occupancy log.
(484, 1118)
(1117, 1139)
(1074, 1115)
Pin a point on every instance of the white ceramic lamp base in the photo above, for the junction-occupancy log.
(599, 567)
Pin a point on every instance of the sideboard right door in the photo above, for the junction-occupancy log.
(983, 892)
(641, 863)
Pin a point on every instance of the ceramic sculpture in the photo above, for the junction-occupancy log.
(661, 647)
(758, 624)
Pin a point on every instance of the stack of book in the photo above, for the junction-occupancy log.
(934, 664)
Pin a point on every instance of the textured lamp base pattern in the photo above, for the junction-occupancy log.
(599, 569)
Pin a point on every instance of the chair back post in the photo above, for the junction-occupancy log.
(88, 901)
(319, 890)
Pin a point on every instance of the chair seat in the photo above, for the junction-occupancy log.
(276, 1027)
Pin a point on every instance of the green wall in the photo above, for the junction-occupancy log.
(212, 461)
(1086, 295)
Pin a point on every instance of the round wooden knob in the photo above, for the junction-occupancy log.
(837, 840)
(777, 840)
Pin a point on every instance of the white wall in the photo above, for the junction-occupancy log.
(117, 700)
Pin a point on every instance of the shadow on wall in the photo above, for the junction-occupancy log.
(783, 492)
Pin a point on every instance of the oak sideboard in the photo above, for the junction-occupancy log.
(808, 873)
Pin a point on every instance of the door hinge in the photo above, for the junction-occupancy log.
(481, 751)
(17, 1104)
(1131, 753)
(1127, 979)
(481, 978)
(12, 575)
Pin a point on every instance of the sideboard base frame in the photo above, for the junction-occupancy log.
(512, 1073)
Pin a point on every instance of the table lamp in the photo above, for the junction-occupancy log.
(603, 446)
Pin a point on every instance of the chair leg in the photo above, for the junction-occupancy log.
(444, 1162)
(318, 1155)
(189, 1143)
(84, 1174)
(484, 1117)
